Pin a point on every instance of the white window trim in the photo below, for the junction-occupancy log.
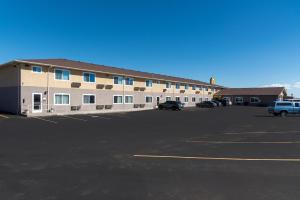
(242, 100)
(88, 95)
(88, 73)
(255, 98)
(118, 96)
(118, 83)
(37, 67)
(151, 99)
(62, 70)
(61, 94)
(195, 99)
(167, 97)
(124, 99)
(124, 81)
(184, 99)
(151, 83)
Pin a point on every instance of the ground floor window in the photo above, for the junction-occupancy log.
(193, 99)
(149, 99)
(254, 100)
(200, 100)
(118, 99)
(239, 99)
(177, 98)
(186, 99)
(206, 99)
(89, 99)
(129, 99)
(62, 99)
(168, 98)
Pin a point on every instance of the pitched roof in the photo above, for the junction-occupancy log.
(111, 70)
(252, 91)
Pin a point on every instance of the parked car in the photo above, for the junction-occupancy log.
(173, 105)
(206, 104)
(283, 108)
(217, 102)
(226, 102)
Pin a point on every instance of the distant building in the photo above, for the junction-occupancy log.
(252, 96)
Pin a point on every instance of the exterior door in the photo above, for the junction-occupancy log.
(36, 102)
(157, 100)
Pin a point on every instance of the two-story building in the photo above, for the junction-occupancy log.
(60, 86)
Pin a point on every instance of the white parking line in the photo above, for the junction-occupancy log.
(74, 118)
(46, 120)
(4, 116)
(241, 142)
(219, 158)
(261, 132)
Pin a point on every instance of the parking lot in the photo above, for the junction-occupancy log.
(222, 153)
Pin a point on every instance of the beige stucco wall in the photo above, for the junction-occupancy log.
(32, 79)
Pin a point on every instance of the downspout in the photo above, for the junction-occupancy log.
(48, 89)
(19, 89)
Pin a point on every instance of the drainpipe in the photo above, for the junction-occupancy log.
(19, 89)
(48, 89)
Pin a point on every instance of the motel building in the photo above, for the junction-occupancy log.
(59, 86)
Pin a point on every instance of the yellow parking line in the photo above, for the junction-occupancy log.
(240, 142)
(4, 116)
(219, 158)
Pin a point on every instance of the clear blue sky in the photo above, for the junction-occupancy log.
(243, 43)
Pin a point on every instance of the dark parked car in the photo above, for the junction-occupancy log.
(217, 102)
(173, 105)
(206, 104)
(226, 102)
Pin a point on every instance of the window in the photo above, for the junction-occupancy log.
(186, 86)
(186, 99)
(128, 81)
(61, 74)
(89, 77)
(193, 87)
(168, 85)
(177, 98)
(61, 99)
(37, 69)
(158, 82)
(168, 98)
(206, 88)
(193, 99)
(118, 99)
(118, 80)
(177, 86)
(297, 105)
(89, 99)
(128, 99)
(149, 99)
(149, 83)
(206, 99)
(239, 99)
(284, 104)
(254, 100)
(200, 100)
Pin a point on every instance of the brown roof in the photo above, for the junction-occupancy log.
(111, 70)
(252, 91)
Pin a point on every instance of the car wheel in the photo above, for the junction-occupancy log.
(283, 113)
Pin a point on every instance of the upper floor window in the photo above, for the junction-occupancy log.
(193, 87)
(128, 81)
(61, 74)
(206, 88)
(89, 77)
(177, 86)
(37, 69)
(149, 83)
(168, 85)
(158, 82)
(118, 80)
(186, 86)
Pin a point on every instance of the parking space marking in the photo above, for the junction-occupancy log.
(74, 118)
(260, 132)
(218, 158)
(101, 117)
(46, 120)
(241, 142)
(4, 116)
